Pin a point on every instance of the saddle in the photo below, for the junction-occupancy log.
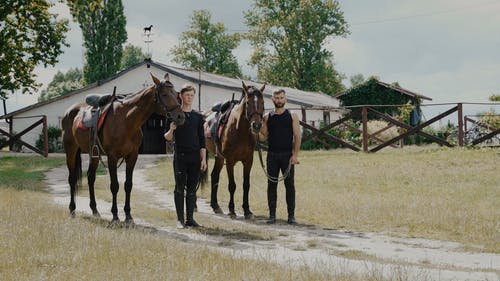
(93, 116)
(216, 125)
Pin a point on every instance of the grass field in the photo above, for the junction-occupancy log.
(438, 193)
(449, 194)
(39, 241)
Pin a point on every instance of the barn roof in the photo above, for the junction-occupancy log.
(395, 88)
(303, 98)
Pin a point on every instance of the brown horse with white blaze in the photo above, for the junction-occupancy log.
(237, 143)
(120, 136)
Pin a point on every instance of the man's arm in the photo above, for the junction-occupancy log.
(297, 139)
(263, 131)
(169, 136)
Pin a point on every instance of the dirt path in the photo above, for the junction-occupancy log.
(321, 248)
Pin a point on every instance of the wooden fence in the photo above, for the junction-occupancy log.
(403, 129)
(13, 139)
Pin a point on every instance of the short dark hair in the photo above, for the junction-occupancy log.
(187, 88)
(279, 91)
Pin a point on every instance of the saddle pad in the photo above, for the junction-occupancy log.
(87, 119)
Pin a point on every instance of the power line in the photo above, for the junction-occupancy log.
(430, 14)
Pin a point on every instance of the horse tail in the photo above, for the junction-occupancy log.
(204, 174)
(78, 171)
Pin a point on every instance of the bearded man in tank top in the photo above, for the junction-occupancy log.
(281, 128)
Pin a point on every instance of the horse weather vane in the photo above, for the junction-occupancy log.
(147, 38)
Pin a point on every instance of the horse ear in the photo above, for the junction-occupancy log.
(157, 82)
(262, 88)
(245, 88)
(166, 77)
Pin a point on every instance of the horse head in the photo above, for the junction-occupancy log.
(254, 106)
(166, 100)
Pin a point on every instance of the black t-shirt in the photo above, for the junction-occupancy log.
(280, 130)
(190, 136)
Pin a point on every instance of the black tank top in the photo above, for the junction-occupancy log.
(280, 131)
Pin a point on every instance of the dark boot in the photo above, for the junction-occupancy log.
(179, 208)
(272, 217)
(190, 204)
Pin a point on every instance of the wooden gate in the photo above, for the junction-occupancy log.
(16, 138)
(404, 129)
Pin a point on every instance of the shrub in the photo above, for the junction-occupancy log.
(54, 136)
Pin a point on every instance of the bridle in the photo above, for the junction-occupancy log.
(159, 101)
(256, 112)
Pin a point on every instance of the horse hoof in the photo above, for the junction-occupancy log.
(232, 215)
(72, 214)
(96, 214)
(249, 216)
(114, 223)
(129, 223)
(218, 210)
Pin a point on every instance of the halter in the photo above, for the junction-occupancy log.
(159, 101)
(256, 112)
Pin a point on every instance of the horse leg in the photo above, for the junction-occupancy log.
(71, 157)
(131, 160)
(247, 166)
(214, 179)
(114, 186)
(231, 188)
(93, 164)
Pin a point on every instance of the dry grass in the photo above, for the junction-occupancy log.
(39, 242)
(438, 193)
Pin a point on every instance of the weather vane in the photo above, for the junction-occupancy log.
(147, 38)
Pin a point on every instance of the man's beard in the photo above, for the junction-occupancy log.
(279, 105)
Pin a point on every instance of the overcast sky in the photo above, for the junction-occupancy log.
(448, 50)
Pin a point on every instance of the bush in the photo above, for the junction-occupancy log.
(55, 142)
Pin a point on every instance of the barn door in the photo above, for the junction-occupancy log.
(153, 141)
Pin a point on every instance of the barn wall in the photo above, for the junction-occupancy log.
(131, 82)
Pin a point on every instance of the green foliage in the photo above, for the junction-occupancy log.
(63, 83)
(26, 172)
(494, 98)
(29, 36)
(490, 118)
(132, 55)
(103, 28)
(372, 93)
(288, 37)
(207, 46)
(357, 80)
(55, 142)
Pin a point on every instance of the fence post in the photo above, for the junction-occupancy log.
(364, 117)
(303, 110)
(460, 125)
(46, 137)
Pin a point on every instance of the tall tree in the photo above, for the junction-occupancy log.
(207, 46)
(132, 55)
(356, 80)
(103, 28)
(29, 35)
(288, 37)
(63, 83)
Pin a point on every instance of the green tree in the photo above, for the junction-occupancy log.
(288, 37)
(207, 46)
(103, 28)
(357, 79)
(494, 98)
(29, 36)
(132, 55)
(63, 83)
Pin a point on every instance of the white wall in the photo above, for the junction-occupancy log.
(131, 82)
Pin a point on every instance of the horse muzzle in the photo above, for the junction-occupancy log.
(256, 126)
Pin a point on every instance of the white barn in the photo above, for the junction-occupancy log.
(211, 88)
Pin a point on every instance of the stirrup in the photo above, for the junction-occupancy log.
(95, 152)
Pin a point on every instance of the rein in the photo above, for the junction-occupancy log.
(271, 178)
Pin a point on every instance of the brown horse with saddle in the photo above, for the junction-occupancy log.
(235, 141)
(118, 136)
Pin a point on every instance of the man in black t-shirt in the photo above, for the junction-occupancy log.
(189, 157)
(281, 127)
